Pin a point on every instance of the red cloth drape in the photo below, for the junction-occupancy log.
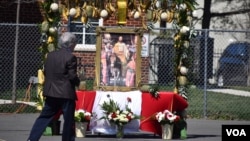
(85, 100)
(150, 106)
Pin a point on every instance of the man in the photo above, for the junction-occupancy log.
(120, 51)
(61, 78)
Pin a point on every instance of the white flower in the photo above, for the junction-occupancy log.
(81, 111)
(165, 117)
(160, 116)
(82, 115)
(118, 112)
(110, 116)
(171, 117)
(131, 115)
(166, 112)
(87, 114)
(126, 112)
(123, 119)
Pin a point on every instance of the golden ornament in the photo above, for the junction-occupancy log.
(182, 80)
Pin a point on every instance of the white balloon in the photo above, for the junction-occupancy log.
(183, 6)
(183, 70)
(164, 16)
(184, 29)
(104, 13)
(195, 14)
(158, 4)
(72, 12)
(136, 15)
(54, 7)
(52, 30)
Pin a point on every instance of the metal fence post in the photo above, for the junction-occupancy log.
(205, 71)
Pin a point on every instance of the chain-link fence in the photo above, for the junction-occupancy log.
(19, 60)
(219, 60)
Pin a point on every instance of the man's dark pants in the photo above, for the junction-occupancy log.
(51, 108)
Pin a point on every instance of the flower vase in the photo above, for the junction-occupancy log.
(167, 131)
(119, 131)
(80, 129)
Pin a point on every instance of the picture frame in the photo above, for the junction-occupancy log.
(118, 59)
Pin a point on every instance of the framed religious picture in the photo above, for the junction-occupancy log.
(118, 58)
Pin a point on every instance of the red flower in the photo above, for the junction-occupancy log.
(177, 118)
(113, 115)
(87, 118)
(129, 117)
(168, 116)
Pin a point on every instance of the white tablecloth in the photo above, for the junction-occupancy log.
(103, 126)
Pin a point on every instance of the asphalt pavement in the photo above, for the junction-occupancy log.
(16, 127)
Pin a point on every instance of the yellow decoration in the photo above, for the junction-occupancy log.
(40, 76)
(45, 26)
(89, 10)
(78, 12)
(175, 90)
(122, 11)
(50, 39)
(177, 11)
(65, 13)
(51, 47)
(82, 86)
(84, 18)
(170, 16)
(182, 80)
(96, 13)
(149, 15)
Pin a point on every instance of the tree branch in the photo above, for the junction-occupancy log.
(230, 13)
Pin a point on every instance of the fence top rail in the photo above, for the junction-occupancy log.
(154, 28)
(13, 24)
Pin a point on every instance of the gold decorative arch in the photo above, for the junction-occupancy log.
(177, 12)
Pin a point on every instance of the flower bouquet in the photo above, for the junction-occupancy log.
(120, 117)
(82, 118)
(167, 119)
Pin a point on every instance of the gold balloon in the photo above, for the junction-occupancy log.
(182, 80)
(82, 85)
(84, 18)
(122, 11)
(175, 90)
(51, 47)
(45, 26)
(145, 88)
(149, 15)
(89, 10)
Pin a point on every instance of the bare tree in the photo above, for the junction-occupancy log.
(228, 15)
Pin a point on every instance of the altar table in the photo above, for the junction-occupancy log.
(146, 105)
